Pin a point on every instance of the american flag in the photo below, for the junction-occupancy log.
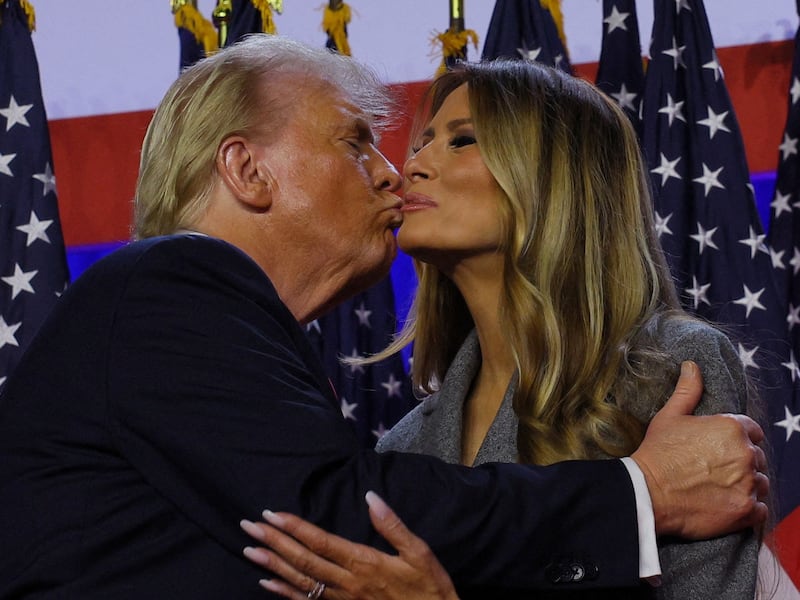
(784, 241)
(372, 397)
(523, 29)
(708, 223)
(246, 17)
(620, 73)
(33, 268)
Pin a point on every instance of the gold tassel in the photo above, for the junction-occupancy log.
(453, 44)
(265, 7)
(334, 23)
(554, 6)
(188, 17)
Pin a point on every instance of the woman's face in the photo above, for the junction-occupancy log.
(451, 208)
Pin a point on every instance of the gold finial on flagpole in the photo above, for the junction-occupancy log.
(222, 18)
(455, 40)
(457, 15)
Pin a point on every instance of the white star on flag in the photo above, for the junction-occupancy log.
(698, 292)
(625, 98)
(667, 169)
(746, 356)
(788, 146)
(714, 122)
(673, 110)
(363, 315)
(392, 386)
(7, 332)
(616, 20)
(795, 91)
(790, 423)
(777, 259)
(781, 204)
(795, 261)
(355, 368)
(662, 225)
(5, 160)
(20, 281)
(793, 317)
(530, 55)
(792, 366)
(750, 300)
(36, 229)
(714, 65)
(47, 178)
(755, 241)
(710, 179)
(703, 238)
(15, 113)
(348, 409)
(380, 431)
(676, 52)
(682, 5)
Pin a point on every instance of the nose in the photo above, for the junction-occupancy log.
(414, 168)
(384, 176)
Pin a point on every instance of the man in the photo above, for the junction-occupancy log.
(172, 392)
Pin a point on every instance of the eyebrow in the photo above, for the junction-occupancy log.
(450, 126)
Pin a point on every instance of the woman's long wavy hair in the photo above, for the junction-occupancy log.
(585, 278)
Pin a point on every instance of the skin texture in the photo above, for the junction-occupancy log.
(413, 573)
(322, 183)
(451, 204)
(451, 221)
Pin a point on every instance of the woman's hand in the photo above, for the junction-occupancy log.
(305, 557)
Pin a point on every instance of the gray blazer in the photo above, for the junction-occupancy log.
(721, 568)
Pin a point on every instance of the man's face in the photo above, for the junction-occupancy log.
(334, 190)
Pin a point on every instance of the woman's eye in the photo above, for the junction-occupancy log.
(462, 140)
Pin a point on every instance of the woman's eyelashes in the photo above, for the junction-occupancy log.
(459, 141)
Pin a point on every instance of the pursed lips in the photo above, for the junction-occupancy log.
(414, 201)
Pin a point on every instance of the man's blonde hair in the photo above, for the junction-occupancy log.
(245, 89)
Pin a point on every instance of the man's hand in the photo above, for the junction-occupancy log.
(705, 474)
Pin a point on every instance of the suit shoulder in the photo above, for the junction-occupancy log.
(402, 437)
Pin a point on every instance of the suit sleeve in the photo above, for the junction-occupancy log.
(213, 399)
(724, 567)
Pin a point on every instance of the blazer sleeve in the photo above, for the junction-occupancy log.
(724, 567)
(215, 398)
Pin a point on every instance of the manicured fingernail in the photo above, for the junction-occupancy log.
(267, 584)
(377, 504)
(271, 517)
(250, 528)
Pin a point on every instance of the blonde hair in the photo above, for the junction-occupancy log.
(585, 278)
(245, 89)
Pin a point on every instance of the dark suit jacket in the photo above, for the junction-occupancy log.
(171, 394)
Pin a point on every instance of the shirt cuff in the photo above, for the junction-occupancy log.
(649, 564)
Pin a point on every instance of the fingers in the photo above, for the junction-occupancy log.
(394, 531)
(687, 392)
(290, 559)
(751, 428)
(283, 589)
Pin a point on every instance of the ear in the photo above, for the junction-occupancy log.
(246, 177)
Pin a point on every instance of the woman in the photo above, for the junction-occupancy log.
(546, 324)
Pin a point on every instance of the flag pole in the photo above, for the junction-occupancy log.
(222, 18)
(457, 17)
(454, 41)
